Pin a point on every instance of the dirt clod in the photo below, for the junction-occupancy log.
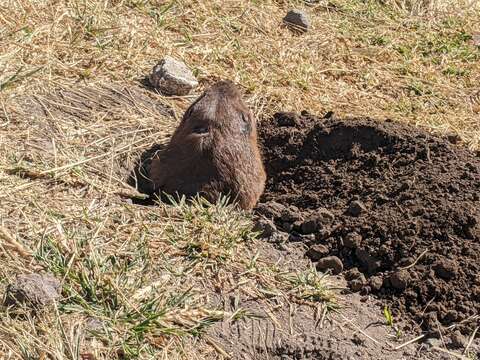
(358, 283)
(356, 208)
(332, 263)
(309, 226)
(400, 279)
(445, 269)
(376, 282)
(401, 198)
(265, 227)
(317, 251)
(324, 216)
(291, 214)
(33, 290)
(352, 240)
(367, 261)
(457, 340)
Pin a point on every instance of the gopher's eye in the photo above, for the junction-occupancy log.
(199, 129)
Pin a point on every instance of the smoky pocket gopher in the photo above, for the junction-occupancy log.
(213, 151)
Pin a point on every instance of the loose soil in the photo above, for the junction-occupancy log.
(398, 207)
(300, 332)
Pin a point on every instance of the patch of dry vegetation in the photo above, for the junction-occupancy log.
(410, 60)
(146, 277)
(73, 122)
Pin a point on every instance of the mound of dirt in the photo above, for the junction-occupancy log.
(393, 206)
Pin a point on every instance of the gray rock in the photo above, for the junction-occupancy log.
(265, 227)
(172, 77)
(34, 290)
(298, 20)
(330, 263)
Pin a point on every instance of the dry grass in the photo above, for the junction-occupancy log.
(409, 60)
(147, 275)
(73, 121)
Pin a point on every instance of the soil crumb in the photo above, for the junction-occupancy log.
(398, 206)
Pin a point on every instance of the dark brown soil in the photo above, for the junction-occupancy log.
(397, 206)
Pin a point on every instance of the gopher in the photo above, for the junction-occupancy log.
(213, 151)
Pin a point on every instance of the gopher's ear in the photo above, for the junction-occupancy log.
(189, 111)
(246, 122)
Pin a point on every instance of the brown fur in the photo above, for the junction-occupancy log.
(213, 151)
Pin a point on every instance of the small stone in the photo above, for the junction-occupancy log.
(265, 227)
(330, 263)
(457, 340)
(400, 279)
(316, 252)
(352, 240)
(35, 290)
(356, 208)
(172, 77)
(358, 283)
(376, 282)
(308, 239)
(445, 269)
(298, 20)
(453, 188)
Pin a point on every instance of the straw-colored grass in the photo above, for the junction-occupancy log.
(74, 120)
(145, 275)
(409, 60)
